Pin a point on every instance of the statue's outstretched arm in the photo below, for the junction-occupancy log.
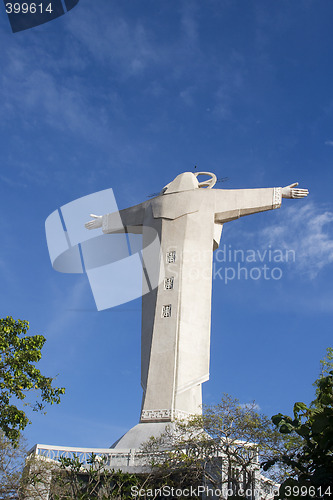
(116, 222)
(234, 203)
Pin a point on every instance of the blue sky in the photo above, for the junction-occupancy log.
(127, 95)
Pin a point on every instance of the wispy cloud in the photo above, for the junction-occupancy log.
(10, 182)
(60, 104)
(73, 297)
(113, 41)
(329, 143)
(52, 85)
(308, 232)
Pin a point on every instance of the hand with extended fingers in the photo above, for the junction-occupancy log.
(95, 223)
(292, 192)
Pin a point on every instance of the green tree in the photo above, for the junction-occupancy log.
(92, 481)
(311, 465)
(19, 376)
(222, 448)
(73, 479)
(326, 365)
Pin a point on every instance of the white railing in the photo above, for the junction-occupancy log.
(113, 458)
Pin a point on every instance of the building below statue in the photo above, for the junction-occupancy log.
(135, 461)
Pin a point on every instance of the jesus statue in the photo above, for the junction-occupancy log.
(188, 216)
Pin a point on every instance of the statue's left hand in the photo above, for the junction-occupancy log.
(292, 192)
(96, 223)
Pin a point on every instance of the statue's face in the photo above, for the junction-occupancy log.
(183, 182)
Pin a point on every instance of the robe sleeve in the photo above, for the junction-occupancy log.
(230, 204)
(125, 220)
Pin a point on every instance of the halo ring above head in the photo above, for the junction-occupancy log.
(209, 183)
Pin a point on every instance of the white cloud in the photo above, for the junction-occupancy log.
(113, 41)
(329, 143)
(187, 96)
(308, 231)
(39, 93)
(55, 84)
(189, 23)
(11, 183)
(73, 297)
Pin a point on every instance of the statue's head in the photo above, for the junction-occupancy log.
(188, 181)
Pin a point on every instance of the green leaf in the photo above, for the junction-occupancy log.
(286, 428)
(276, 419)
(299, 407)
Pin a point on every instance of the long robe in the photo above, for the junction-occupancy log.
(176, 315)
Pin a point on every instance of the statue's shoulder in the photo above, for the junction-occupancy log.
(174, 205)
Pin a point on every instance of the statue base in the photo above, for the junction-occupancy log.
(139, 434)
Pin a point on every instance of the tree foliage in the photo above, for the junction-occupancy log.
(219, 449)
(224, 446)
(19, 376)
(71, 479)
(95, 481)
(311, 466)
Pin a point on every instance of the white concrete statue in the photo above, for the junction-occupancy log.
(176, 316)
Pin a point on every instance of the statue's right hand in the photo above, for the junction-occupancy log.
(292, 192)
(94, 224)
